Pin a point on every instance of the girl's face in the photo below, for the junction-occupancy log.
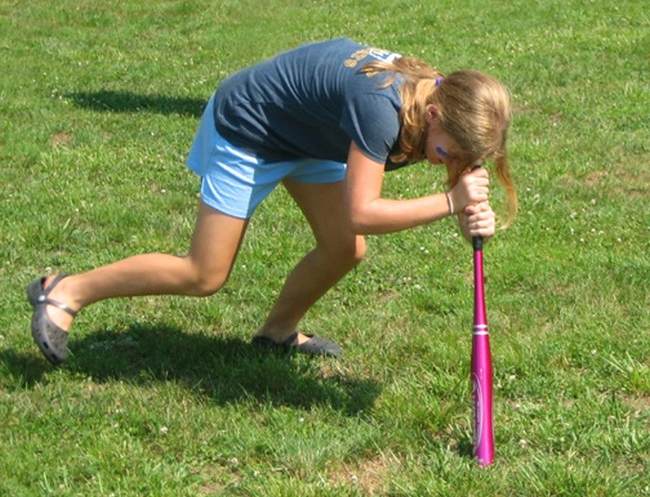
(439, 147)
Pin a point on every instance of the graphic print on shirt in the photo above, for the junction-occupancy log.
(376, 53)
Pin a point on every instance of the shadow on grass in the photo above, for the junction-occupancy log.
(466, 448)
(25, 370)
(225, 370)
(124, 101)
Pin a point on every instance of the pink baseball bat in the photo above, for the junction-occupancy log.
(481, 366)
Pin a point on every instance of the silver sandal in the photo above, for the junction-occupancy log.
(50, 338)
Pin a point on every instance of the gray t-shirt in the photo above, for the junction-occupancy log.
(311, 102)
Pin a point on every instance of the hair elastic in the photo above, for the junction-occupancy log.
(439, 81)
(450, 203)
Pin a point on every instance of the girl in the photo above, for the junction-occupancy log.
(326, 119)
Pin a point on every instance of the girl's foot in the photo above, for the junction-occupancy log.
(308, 344)
(49, 323)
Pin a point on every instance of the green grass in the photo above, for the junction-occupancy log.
(163, 396)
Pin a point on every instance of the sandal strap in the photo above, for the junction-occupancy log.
(42, 299)
(53, 283)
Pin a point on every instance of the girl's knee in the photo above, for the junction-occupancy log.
(206, 286)
(206, 281)
(349, 252)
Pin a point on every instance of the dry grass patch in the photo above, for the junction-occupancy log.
(595, 178)
(370, 475)
(215, 478)
(61, 139)
(639, 405)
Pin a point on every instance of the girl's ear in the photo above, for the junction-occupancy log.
(431, 113)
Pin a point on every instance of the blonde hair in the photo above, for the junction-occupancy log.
(473, 108)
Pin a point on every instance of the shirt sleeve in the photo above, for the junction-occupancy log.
(372, 122)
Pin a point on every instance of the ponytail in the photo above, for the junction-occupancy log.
(503, 174)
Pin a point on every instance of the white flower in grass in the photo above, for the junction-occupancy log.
(164, 430)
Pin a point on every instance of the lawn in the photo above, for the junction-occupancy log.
(164, 396)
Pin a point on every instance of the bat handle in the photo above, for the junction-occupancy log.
(477, 241)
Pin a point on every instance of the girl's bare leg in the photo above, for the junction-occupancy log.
(215, 243)
(337, 251)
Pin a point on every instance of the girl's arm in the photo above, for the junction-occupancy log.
(371, 214)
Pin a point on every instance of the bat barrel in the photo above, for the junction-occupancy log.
(482, 393)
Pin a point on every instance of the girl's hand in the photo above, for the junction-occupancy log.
(472, 188)
(477, 220)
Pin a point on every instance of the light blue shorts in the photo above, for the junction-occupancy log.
(234, 181)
